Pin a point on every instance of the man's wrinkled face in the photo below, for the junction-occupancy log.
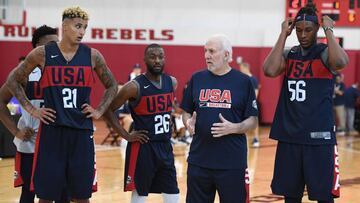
(215, 55)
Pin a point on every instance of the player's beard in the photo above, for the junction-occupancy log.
(154, 71)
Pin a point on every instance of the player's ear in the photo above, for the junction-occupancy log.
(66, 22)
(226, 56)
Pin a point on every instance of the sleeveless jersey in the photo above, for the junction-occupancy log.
(208, 94)
(152, 110)
(33, 92)
(304, 112)
(67, 85)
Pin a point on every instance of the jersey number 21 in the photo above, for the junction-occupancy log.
(69, 97)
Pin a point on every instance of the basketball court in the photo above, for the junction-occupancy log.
(110, 169)
(122, 29)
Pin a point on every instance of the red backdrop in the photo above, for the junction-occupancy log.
(181, 62)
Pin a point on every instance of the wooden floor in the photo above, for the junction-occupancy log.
(110, 167)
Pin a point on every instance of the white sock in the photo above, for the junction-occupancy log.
(171, 198)
(136, 198)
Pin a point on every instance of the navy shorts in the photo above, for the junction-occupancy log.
(315, 166)
(231, 184)
(22, 175)
(23, 169)
(64, 158)
(149, 168)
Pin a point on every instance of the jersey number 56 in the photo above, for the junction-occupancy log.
(296, 90)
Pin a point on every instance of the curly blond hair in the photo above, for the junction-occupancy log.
(75, 12)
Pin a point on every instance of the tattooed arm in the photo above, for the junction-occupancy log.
(109, 82)
(35, 58)
(5, 117)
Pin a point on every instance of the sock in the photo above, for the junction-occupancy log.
(136, 198)
(171, 198)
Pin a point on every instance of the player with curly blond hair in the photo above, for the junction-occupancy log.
(64, 151)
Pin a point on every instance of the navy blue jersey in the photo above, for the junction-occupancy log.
(33, 89)
(254, 82)
(67, 85)
(304, 112)
(208, 94)
(34, 93)
(152, 110)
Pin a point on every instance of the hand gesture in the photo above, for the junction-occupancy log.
(138, 136)
(190, 123)
(224, 128)
(327, 21)
(90, 112)
(25, 133)
(287, 26)
(45, 115)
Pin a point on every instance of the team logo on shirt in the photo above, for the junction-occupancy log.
(297, 69)
(78, 76)
(128, 180)
(254, 104)
(155, 104)
(16, 175)
(215, 98)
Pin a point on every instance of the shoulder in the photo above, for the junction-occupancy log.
(130, 89)
(174, 81)
(35, 57)
(38, 51)
(131, 85)
(201, 73)
(94, 52)
(97, 58)
(241, 79)
(254, 79)
(240, 75)
(321, 46)
(322, 49)
(292, 50)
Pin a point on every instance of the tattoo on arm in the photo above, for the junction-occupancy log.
(108, 81)
(5, 116)
(14, 83)
(20, 74)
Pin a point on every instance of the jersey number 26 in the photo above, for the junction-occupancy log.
(162, 124)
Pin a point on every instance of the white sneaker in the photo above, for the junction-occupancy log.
(176, 142)
(255, 143)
